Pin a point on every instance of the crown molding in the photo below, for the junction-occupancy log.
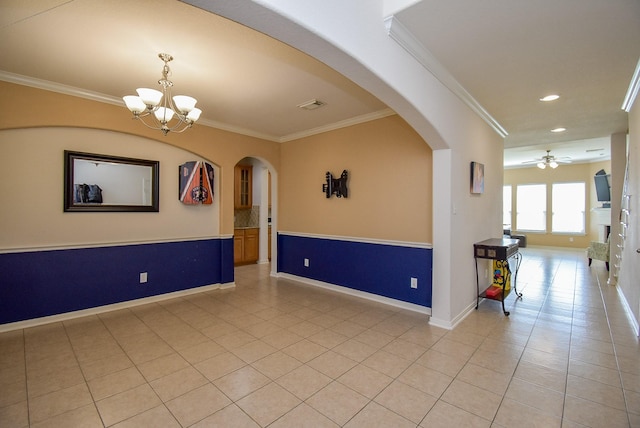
(401, 35)
(58, 87)
(108, 99)
(337, 125)
(238, 130)
(632, 92)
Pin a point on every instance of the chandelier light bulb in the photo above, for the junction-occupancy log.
(194, 114)
(161, 107)
(184, 103)
(134, 104)
(150, 97)
(164, 114)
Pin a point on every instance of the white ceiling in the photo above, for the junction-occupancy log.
(508, 54)
(505, 53)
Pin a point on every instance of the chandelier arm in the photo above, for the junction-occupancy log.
(144, 122)
(159, 126)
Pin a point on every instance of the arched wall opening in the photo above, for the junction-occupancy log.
(263, 213)
(456, 133)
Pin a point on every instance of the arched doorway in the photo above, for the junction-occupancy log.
(254, 213)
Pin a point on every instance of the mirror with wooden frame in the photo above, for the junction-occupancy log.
(96, 182)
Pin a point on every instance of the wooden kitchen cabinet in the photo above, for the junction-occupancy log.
(245, 246)
(251, 245)
(243, 186)
(238, 246)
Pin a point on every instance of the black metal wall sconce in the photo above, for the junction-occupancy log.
(337, 186)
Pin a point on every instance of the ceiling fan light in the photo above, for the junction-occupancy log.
(541, 165)
(184, 103)
(553, 164)
(150, 97)
(134, 104)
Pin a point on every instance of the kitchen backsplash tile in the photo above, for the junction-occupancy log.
(247, 217)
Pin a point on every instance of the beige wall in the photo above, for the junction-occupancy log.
(50, 109)
(31, 184)
(564, 173)
(390, 169)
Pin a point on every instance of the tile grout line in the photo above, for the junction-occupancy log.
(26, 382)
(86, 382)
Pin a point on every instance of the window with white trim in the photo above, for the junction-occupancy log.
(568, 204)
(531, 207)
(506, 207)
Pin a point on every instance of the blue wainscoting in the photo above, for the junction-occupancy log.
(37, 284)
(376, 268)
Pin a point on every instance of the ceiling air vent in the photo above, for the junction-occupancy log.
(311, 105)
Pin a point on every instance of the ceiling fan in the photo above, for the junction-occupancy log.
(549, 160)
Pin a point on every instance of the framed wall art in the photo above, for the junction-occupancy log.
(477, 178)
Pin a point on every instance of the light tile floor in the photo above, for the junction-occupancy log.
(275, 353)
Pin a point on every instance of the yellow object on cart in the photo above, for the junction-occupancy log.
(500, 273)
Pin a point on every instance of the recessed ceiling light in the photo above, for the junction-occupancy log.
(559, 130)
(551, 97)
(311, 104)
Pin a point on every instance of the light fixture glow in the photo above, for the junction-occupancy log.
(556, 130)
(551, 97)
(150, 97)
(161, 107)
(549, 161)
(135, 104)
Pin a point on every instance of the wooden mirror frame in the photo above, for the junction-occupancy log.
(70, 205)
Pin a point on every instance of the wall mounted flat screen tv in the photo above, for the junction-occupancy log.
(603, 190)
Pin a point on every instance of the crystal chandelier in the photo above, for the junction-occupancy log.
(168, 114)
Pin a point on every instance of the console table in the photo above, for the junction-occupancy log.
(501, 249)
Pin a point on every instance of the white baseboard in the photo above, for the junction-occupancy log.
(107, 308)
(451, 324)
(357, 293)
(625, 303)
